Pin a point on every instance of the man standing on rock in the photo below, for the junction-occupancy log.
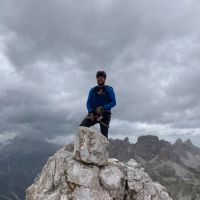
(100, 100)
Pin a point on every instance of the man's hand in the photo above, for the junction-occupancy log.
(91, 115)
(100, 110)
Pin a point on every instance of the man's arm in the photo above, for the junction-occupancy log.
(88, 104)
(112, 102)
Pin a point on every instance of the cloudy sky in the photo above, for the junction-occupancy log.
(50, 51)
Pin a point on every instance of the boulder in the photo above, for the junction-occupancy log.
(91, 146)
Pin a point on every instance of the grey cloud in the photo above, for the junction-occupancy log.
(149, 50)
(54, 30)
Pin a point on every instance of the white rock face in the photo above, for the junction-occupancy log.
(90, 146)
(65, 178)
(114, 180)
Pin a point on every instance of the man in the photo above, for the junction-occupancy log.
(100, 100)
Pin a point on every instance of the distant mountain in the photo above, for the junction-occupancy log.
(121, 149)
(176, 166)
(20, 161)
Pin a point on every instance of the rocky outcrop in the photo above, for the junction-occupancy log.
(88, 174)
(176, 166)
(90, 147)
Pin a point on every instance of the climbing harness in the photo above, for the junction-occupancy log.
(98, 118)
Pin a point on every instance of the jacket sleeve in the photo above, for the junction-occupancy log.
(88, 104)
(112, 102)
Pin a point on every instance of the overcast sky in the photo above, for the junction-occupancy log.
(50, 51)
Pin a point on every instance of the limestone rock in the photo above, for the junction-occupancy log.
(81, 174)
(90, 146)
(84, 193)
(65, 178)
(141, 185)
(113, 179)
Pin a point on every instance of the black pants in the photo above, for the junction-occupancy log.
(104, 123)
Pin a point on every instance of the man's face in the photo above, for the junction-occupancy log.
(101, 80)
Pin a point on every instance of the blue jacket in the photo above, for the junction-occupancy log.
(107, 101)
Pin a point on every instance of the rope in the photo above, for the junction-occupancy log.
(98, 118)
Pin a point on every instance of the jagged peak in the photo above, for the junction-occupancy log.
(179, 141)
(126, 139)
(144, 138)
(188, 142)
